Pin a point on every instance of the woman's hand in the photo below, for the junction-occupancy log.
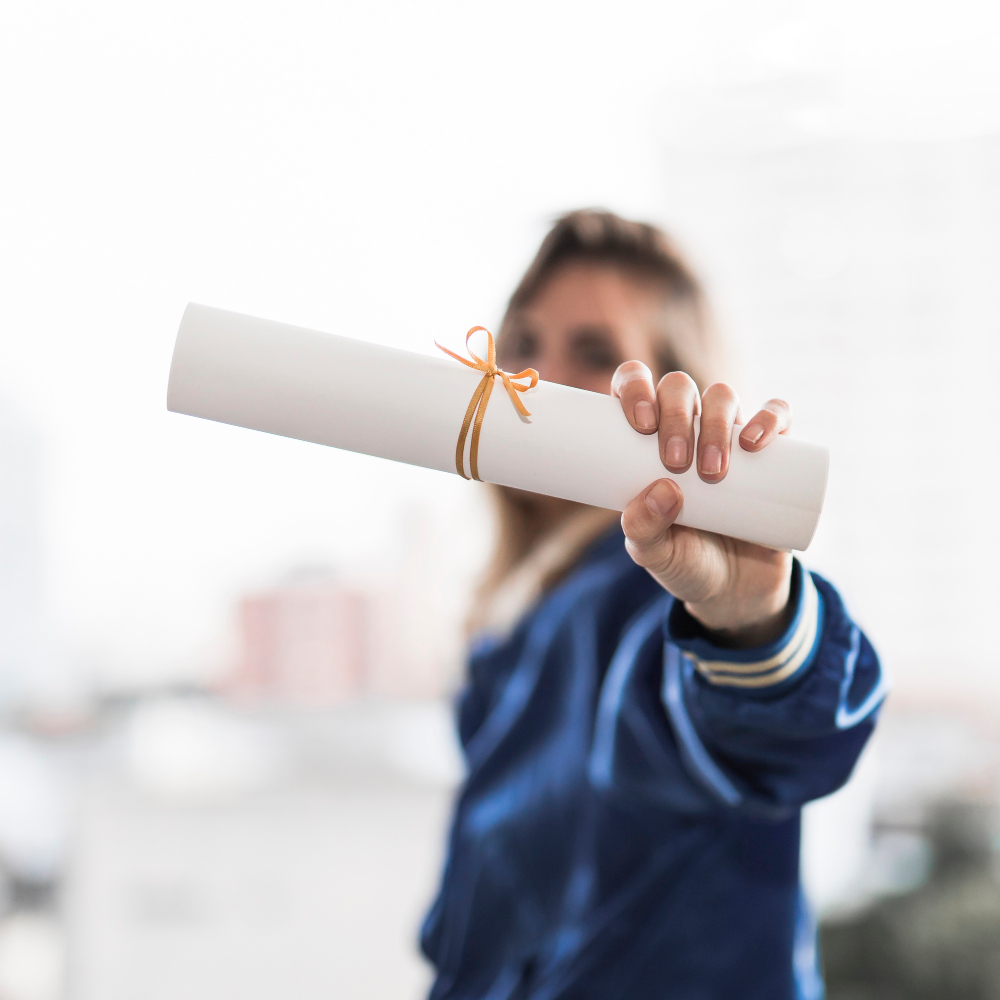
(735, 589)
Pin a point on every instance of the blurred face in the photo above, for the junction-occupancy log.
(583, 323)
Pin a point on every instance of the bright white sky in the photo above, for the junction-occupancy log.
(382, 170)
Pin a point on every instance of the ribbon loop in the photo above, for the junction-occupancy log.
(477, 405)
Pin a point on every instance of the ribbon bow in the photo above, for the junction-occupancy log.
(477, 405)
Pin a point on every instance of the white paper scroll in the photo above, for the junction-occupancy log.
(409, 407)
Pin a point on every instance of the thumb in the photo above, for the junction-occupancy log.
(647, 523)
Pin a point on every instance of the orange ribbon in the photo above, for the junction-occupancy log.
(477, 405)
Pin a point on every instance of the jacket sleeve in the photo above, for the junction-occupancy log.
(694, 726)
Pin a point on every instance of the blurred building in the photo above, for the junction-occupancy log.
(857, 278)
(303, 644)
(320, 639)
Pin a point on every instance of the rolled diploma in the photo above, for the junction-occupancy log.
(409, 407)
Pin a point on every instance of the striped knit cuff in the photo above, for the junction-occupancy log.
(765, 667)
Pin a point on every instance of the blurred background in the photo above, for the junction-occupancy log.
(227, 660)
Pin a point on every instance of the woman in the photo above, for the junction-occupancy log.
(648, 706)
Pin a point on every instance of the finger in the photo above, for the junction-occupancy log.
(646, 522)
(632, 383)
(679, 402)
(719, 407)
(773, 419)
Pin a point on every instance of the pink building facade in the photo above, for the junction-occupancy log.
(302, 644)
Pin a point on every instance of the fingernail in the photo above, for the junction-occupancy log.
(661, 499)
(711, 460)
(677, 452)
(645, 415)
(752, 433)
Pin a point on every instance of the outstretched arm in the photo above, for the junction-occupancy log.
(753, 674)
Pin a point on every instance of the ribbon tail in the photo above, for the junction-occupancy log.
(466, 423)
(520, 407)
(512, 390)
(487, 385)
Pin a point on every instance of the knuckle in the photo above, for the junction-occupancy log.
(678, 399)
(635, 523)
(715, 426)
(675, 418)
(679, 382)
(631, 377)
(636, 550)
(782, 411)
(630, 370)
(654, 558)
(721, 395)
(640, 548)
(722, 391)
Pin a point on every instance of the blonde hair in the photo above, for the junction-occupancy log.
(685, 339)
